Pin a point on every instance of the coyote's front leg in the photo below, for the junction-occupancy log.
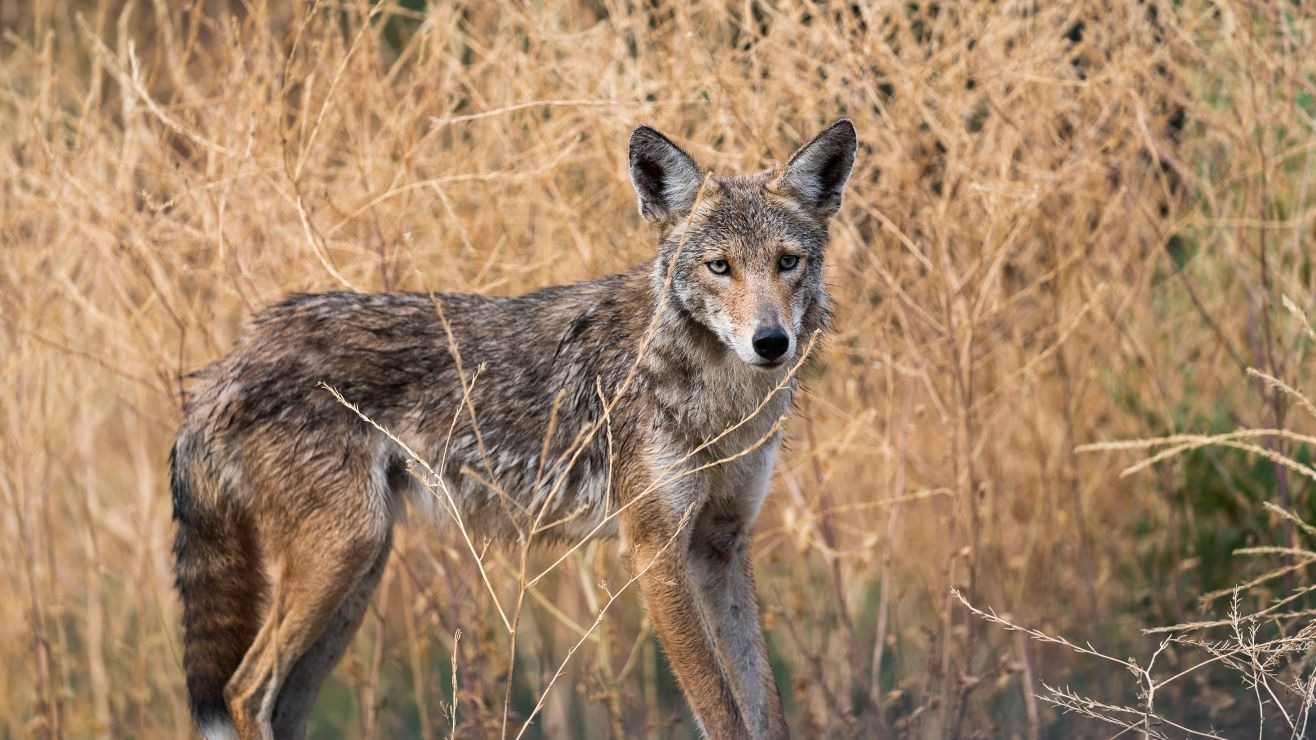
(724, 580)
(659, 541)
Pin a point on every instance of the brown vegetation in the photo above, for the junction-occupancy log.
(1070, 223)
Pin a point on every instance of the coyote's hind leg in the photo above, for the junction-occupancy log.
(319, 568)
(293, 707)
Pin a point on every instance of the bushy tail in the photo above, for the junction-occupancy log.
(221, 583)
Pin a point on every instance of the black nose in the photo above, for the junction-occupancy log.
(771, 342)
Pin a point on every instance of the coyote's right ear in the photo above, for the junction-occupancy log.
(666, 179)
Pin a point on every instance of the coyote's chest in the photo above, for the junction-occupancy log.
(729, 410)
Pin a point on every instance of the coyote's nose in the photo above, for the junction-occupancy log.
(771, 342)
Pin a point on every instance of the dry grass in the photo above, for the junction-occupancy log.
(1070, 223)
(1267, 651)
(1272, 668)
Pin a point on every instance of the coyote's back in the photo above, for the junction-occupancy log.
(646, 402)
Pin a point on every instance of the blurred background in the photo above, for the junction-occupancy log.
(1070, 224)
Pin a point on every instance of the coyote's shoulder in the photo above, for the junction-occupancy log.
(647, 403)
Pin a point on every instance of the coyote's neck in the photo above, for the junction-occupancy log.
(701, 387)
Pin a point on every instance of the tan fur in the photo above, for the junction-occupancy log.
(286, 500)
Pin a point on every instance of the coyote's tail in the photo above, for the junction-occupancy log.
(217, 568)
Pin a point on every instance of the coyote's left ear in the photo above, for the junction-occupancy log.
(817, 174)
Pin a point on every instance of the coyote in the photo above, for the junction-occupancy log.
(646, 405)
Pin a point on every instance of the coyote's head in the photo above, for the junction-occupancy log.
(748, 249)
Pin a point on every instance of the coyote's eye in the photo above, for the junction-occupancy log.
(719, 267)
(788, 262)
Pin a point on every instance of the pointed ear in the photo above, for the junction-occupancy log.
(817, 174)
(666, 179)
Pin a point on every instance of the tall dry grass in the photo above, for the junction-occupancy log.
(1266, 649)
(1070, 223)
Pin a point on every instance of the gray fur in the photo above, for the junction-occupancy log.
(268, 461)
